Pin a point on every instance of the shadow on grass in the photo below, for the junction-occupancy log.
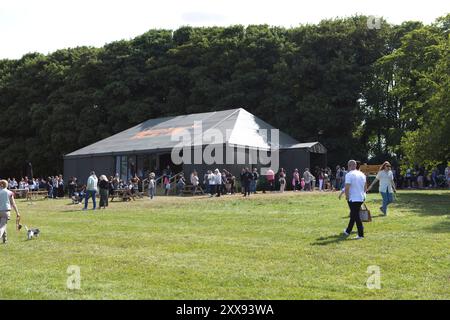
(323, 241)
(441, 227)
(425, 204)
(79, 210)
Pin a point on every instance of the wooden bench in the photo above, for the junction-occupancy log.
(189, 188)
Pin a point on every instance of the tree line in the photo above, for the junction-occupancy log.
(366, 93)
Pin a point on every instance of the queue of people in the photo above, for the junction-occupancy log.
(223, 182)
(418, 177)
(352, 183)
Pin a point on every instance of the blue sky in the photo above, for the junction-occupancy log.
(47, 25)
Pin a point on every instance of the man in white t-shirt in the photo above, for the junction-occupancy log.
(355, 193)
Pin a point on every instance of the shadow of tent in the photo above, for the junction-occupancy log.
(440, 227)
(424, 204)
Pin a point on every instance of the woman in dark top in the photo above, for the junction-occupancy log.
(103, 186)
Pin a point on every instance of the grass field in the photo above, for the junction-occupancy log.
(267, 247)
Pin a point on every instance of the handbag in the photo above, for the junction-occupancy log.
(364, 213)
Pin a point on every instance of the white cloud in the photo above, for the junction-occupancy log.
(48, 25)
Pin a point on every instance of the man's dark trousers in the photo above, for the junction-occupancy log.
(354, 217)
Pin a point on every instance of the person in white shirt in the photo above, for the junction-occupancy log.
(12, 184)
(387, 185)
(151, 185)
(195, 181)
(355, 193)
(212, 183)
(6, 202)
(218, 182)
(91, 190)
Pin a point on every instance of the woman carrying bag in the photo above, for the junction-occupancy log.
(387, 185)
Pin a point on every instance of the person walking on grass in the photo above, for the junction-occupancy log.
(387, 185)
(6, 202)
(355, 193)
(103, 186)
(91, 190)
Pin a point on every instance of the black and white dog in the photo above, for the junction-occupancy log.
(31, 233)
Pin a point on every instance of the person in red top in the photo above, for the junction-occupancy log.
(270, 175)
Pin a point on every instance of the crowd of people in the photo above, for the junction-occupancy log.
(54, 185)
(418, 177)
(223, 182)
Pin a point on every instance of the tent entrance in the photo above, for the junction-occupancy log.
(141, 165)
(165, 160)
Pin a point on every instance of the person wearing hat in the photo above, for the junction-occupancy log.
(6, 202)
(91, 190)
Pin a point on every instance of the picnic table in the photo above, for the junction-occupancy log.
(124, 194)
(36, 193)
(20, 193)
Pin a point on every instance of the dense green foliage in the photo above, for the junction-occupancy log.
(268, 246)
(364, 93)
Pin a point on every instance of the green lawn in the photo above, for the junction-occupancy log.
(267, 247)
